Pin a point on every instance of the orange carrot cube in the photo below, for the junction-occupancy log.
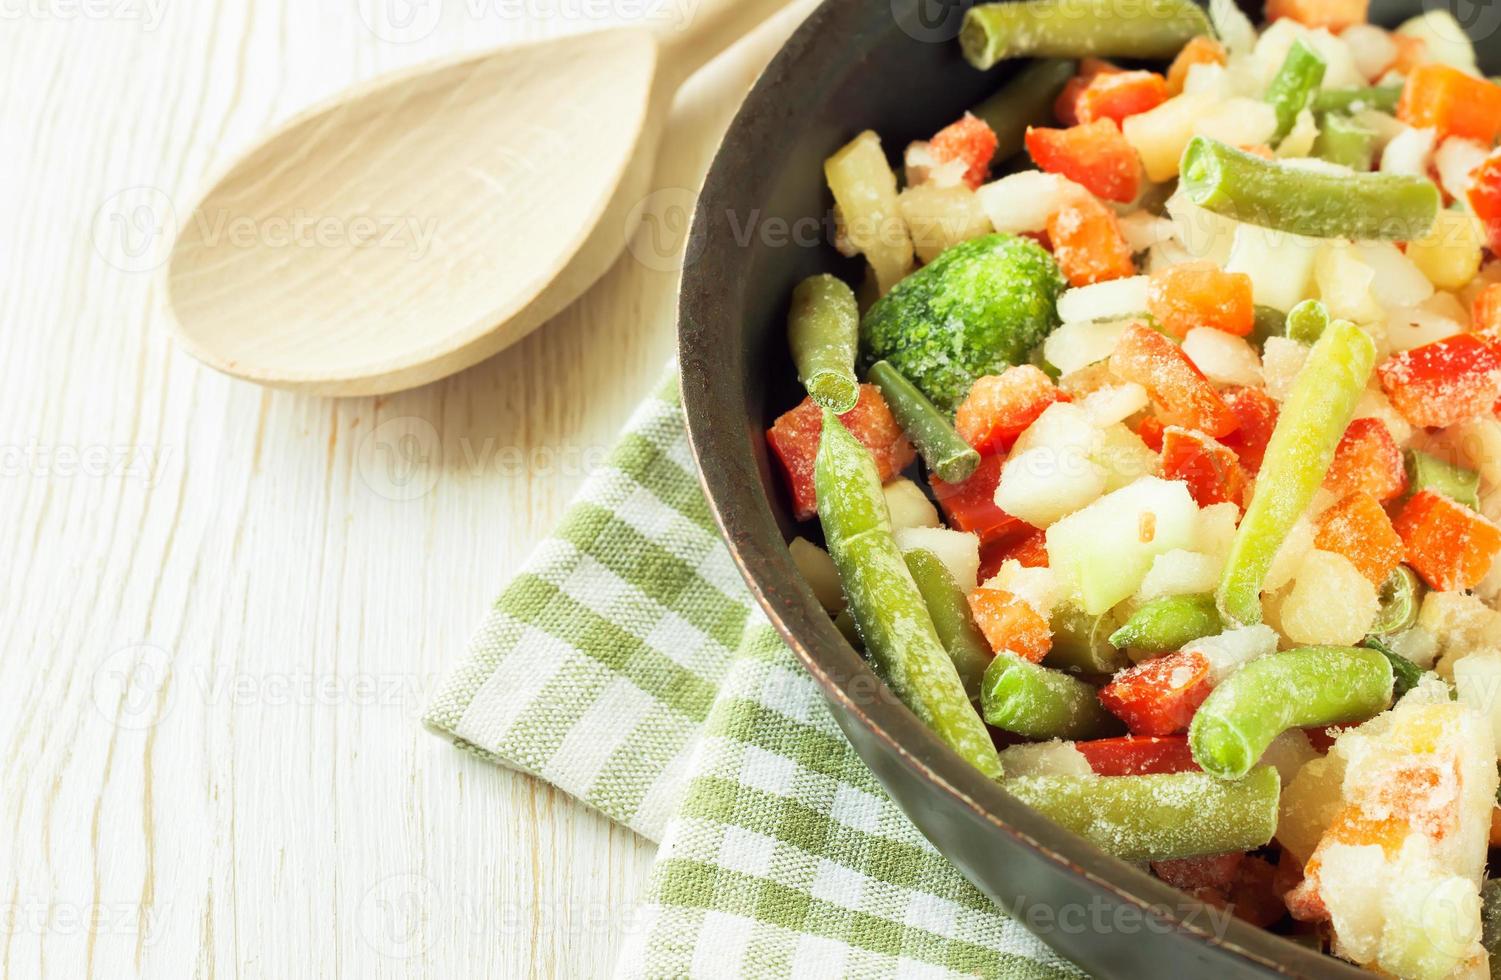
(970, 140)
(1087, 243)
(1485, 312)
(1202, 50)
(999, 407)
(1093, 154)
(1443, 383)
(1257, 414)
(1179, 389)
(1211, 469)
(794, 440)
(1358, 528)
(1066, 105)
(1009, 623)
(1160, 696)
(1333, 14)
(1201, 294)
(1367, 460)
(970, 506)
(1116, 95)
(1441, 97)
(1445, 542)
(1484, 197)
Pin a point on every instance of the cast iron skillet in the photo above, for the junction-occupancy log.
(893, 66)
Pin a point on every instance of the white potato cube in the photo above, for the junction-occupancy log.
(1456, 159)
(1216, 530)
(938, 217)
(1143, 229)
(1398, 282)
(1110, 300)
(1290, 554)
(1037, 587)
(1309, 802)
(1345, 284)
(1443, 38)
(923, 169)
(1124, 457)
(1462, 624)
(1280, 264)
(1055, 758)
(1023, 202)
(1044, 485)
(1203, 234)
(1160, 134)
(1238, 122)
(1449, 254)
(1477, 682)
(1375, 405)
(1417, 645)
(1114, 403)
(817, 569)
(1371, 48)
(1281, 360)
(1227, 652)
(1288, 753)
(864, 189)
(909, 506)
(1300, 139)
(1414, 326)
(1330, 602)
(1224, 358)
(1062, 427)
(958, 550)
(1074, 346)
(1272, 46)
(1410, 152)
(1180, 572)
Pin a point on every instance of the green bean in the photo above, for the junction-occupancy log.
(1344, 141)
(1269, 322)
(1030, 700)
(1158, 817)
(946, 454)
(993, 32)
(952, 619)
(1025, 100)
(899, 634)
(823, 330)
(1306, 321)
(1313, 419)
(1304, 688)
(1401, 596)
(1081, 642)
(1169, 623)
(1381, 97)
(1405, 673)
(1425, 472)
(1365, 207)
(1294, 84)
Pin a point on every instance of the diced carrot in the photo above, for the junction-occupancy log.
(1443, 383)
(1150, 430)
(1138, 755)
(1333, 14)
(1485, 312)
(1009, 623)
(1087, 243)
(1093, 154)
(1030, 548)
(1210, 468)
(1201, 294)
(970, 140)
(1214, 871)
(999, 407)
(1411, 52)
(1443, 98)
(1367, 460)
(1259, 150)
(1358, 528)
(1179, 389)
(1202, 50)
(1484, 196)
(1066, 105)
(1160, 696)
(1116, 95)
(1257, 413)
(1445, 542)
(970, 506)
(794, 439)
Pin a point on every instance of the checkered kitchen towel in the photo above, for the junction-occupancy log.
(628, 665)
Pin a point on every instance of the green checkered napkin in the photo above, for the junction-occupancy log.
(628, 666)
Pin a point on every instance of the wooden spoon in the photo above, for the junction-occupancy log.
(424, 221)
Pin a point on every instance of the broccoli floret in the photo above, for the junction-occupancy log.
(978, 308)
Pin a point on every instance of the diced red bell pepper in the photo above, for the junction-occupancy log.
(1485, 312)
(1253, 896)
(1440, 97)
(1066, 106)
(1210, 468)
(1257, 413)
(1138, 755)
(1484, 196)
(1445, 542)
(1009, 623)
(1116, 95)
(1201, 294)
(794, 439)
(1088, 244)
(1443, 383)
(1212, 871)
(1160, 696)
(1367, 460)
(1150, 430)
(1358, 528)
(970, 140)
(1336, 15)
(1030, 549)
(1179, 389)
(999, 407)
(970, 506)
(1202, 50)
(1093, 154)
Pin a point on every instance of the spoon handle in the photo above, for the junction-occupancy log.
(704, 28)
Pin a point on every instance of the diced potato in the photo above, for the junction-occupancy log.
(938, 217)
(1062, 427)
(1386, 126)
(1229, 650)
(1077, 345)
(1180, 572)
(1124, 457)
(1281, 360)
(1345, 284)
(959, 551)
(1290, 554)
(1216, 531)
(1432, 927)
(1330, 602)
(1409, 152)
(1288, 753)
(909, 506)
(1233, 28)
(1449, 254)
(1224, 358)
(1413, 326)
(1462, 625)
(1055, 758)
(1104, 551)
(1037, 587)
(1477, 681)
(922, 168)
(1443, 37)
(1375, 405)
(1280, 264)
(1160, 134)
(1238, 122)
(1143, 229)
(1371, 48)
(1455, 160)
(1417, 645)
(1023, 202)
(1114, 403)
(1042, 486)
(1300, 139)
(1203, 234)
(1110, 300)
(1309, 802)
(1273, 44)
(817, 568)
(864, 188)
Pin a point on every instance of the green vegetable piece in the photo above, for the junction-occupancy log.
(1306, 321)
(1405, 673)
(1381, 97)
(1081, 642)
(899, 634)
(1314, 417)
(823, 330)
(1401, 597)
(1365, 207)
(1344, 141)
(1169, 623)
(1033, 701)
(978, 308)
(1026, 100)
(1303, 688)
(946, 454)
(1158, 817)
(1269, 322)
(993, 32)
(1294, 84)
(949, 608)
(1425, 472)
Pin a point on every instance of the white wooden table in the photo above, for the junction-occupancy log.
(222, 608)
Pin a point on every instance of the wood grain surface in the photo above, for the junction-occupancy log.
(222, 608)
